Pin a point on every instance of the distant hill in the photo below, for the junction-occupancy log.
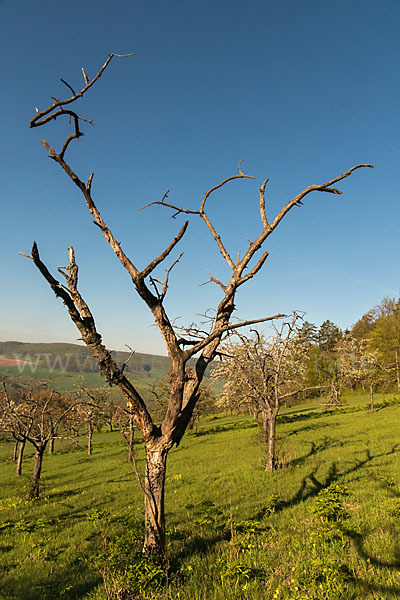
(77, 359)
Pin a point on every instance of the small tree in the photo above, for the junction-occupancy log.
(182, 344)
(89, 412)
(35, 418)
(261, 373)
(124, 420)
(359, 365)
(322, 369)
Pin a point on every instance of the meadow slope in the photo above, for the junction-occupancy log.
(326, 524)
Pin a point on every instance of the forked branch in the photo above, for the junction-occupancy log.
(184, 383)
(82, 317)
(44, 116)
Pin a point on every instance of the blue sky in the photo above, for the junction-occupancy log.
(301, 91)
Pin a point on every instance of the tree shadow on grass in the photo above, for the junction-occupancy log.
(358, 540)
(307, 428)
(315, 448)
(307, 491)
(310, 487)
(378, 406)
(70, 582)
(234, 426)
(375, 587)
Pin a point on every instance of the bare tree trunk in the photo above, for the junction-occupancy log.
(335, 399)
(20, 457)
(270, 464)
(15, 453)
(37, 469)
(371, 395)
(89, 438)
(154, 512)
(51, 446)
(131, 438)
(265, 419)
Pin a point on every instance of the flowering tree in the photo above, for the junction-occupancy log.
(357, 364)
(260, 373)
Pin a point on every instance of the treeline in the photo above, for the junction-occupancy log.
(365, 355)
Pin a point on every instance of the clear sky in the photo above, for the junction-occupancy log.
(301, 90)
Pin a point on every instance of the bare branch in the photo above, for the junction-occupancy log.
(89, 182)
(220, 185)
(323, 187)
(254, 246)
(68, 86)
(85, 189)
(167, 272)
(128, 359)
(202, 213)
(85, 77)
(262, 204)
(218, 332)
(83, 319)
(214, 280)
(151, 266)
(44, 116)
(254, 270)
(177, 209)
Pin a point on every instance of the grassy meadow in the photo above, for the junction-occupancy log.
(325, 524)
(68, 381)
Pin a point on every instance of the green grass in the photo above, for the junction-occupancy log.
(233, 530)
(67, 381)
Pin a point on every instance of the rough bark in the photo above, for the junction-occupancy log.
(51, 446)
(15, 453)
(89, 437)
(20, 457)
(154, 512)
(131, 439)
(264, 436)
(37, 470)
(270, 463)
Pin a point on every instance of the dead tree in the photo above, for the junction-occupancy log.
(181, 345)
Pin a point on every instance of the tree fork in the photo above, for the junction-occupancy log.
(203, 345)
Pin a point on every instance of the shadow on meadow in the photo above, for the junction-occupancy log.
(74, 579)
(214, 525)
(307, 491)
(234, 426)
(69, 582)
(307, 429)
